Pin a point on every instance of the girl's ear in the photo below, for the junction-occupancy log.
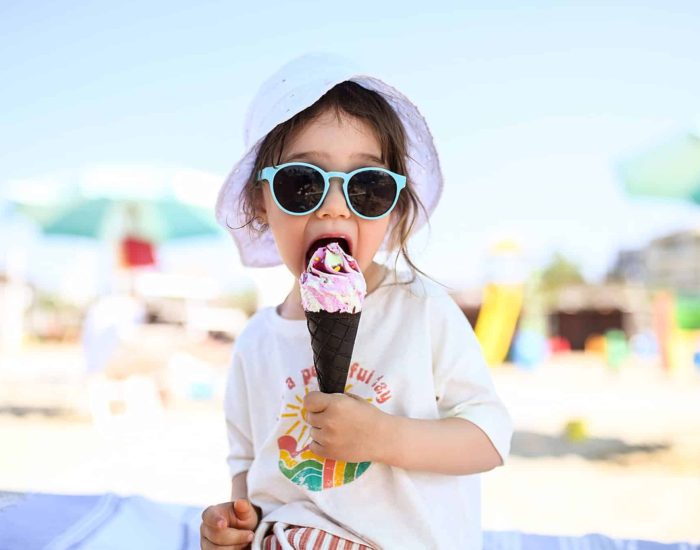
(260, 210)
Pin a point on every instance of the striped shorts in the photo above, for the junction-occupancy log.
(307, 538)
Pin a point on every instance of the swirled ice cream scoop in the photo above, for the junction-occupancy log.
(332, 282)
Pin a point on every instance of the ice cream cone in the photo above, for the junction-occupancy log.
(332, 341)
(332, 291)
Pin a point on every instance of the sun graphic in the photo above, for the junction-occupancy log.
(298, 411)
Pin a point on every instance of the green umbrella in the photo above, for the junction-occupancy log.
(671, 169)
(158, 220)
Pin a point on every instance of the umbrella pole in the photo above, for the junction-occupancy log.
(125, 276)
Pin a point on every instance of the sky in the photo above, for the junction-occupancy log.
(532, 109)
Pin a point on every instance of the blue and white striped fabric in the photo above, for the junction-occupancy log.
(96, 522)
(111, 522)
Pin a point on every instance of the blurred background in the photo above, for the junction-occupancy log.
(568, 233)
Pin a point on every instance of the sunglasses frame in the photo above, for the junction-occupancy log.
(268, 174)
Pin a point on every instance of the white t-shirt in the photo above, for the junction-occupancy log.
(416, 356)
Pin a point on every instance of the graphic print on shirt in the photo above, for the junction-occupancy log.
(296, 461)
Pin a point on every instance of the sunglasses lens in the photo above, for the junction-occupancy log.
(372, 192)
(298, 188)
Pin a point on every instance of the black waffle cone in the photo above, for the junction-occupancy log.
(332, 341)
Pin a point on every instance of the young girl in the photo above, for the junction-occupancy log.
(391, 462)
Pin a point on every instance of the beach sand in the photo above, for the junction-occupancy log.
(635, 474)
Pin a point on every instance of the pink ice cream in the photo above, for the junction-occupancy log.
(332, 282)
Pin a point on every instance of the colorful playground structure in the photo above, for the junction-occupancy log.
(498, 319)
(651, 323)
(502, 300)
(677, 327)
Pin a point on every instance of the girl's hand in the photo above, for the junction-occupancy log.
(229, 525)
(346, 427)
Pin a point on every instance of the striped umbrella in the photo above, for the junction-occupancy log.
(158, 220)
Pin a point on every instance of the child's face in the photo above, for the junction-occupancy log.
(333, 145)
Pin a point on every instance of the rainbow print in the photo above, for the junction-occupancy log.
(307, 469)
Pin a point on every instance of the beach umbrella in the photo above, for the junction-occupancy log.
(157, 220)
(671, 169)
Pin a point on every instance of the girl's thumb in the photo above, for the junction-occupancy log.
(245, 513)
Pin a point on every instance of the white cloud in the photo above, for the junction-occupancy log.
(117, 180)
(196, 186)
(150, 182)
(37, 190)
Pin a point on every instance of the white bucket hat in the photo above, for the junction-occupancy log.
(294, 87)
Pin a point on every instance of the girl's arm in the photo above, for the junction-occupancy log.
(239, 486)
(457, 446)
(347, 427)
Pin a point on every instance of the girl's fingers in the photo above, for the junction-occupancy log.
(316, 448)
(206, 545)
(245, 515)
(316, 435)
(216, 516)
(314, 419)
(309, 417)
(316, 401)
(224, 538)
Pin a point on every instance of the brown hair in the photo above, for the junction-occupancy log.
(367, 105)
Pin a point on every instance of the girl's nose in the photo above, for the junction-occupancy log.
(334, 205)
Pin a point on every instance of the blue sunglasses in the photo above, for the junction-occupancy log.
(299, 188)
